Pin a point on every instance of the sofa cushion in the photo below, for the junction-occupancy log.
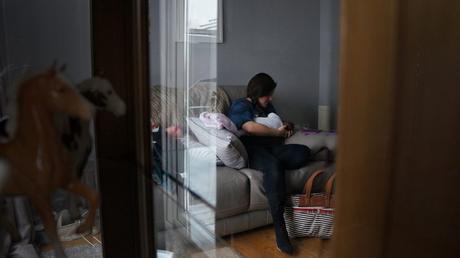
(258, 200)
(229, 148)
(234, 92)
(167, 109)
(233, 193)
(226, 189)
(206, 95)
(164, 106)
(198, 151)
(315, 142)
(295, 179)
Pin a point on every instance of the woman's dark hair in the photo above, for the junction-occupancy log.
(260, 85)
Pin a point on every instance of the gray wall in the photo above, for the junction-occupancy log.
(329, 57)
(3, 56)
(3, 59)
(41, 31)
(154, 38)
(280, 38)
(202, 57)
(295, 41)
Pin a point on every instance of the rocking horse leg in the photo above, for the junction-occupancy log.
(13, 230)
(93, 199)
(73, 207)
(5, 222)
(44, 209)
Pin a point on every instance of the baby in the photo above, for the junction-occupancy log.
(272, 121)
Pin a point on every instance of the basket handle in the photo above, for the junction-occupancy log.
(305, 198)
(329, 185)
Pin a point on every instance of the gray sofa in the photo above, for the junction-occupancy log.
(236, 198)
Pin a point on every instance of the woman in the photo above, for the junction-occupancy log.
(266, 150)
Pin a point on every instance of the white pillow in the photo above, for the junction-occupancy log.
(229, 149)
(272, 121)
(198, 151)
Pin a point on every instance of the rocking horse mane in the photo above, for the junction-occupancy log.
(12, 93)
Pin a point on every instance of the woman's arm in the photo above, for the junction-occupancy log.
(257, 129)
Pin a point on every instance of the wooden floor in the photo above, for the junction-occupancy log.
(79, 242)
(261, 243)
(252, 244)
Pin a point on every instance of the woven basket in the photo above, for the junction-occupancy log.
(311, 215)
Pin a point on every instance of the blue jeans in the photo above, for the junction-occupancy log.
(269, 155)
(266, 154)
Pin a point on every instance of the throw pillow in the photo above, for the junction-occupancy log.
(198, 151)
(229, 149)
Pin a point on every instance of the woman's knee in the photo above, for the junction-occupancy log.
(263, 161)
(300, 155)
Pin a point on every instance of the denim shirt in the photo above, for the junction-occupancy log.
(243, 110)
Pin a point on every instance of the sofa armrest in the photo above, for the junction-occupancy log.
(258, 200)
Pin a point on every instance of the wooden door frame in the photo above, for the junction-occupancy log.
(366, 112)
(120, 53)
(397, 171)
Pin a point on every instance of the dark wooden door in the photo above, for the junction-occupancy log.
(120, 53)
(399, 119)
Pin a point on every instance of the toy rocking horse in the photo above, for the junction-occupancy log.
(76, 138)
(36, 161)
(75, 133)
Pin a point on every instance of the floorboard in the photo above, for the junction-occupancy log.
(261, 243)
